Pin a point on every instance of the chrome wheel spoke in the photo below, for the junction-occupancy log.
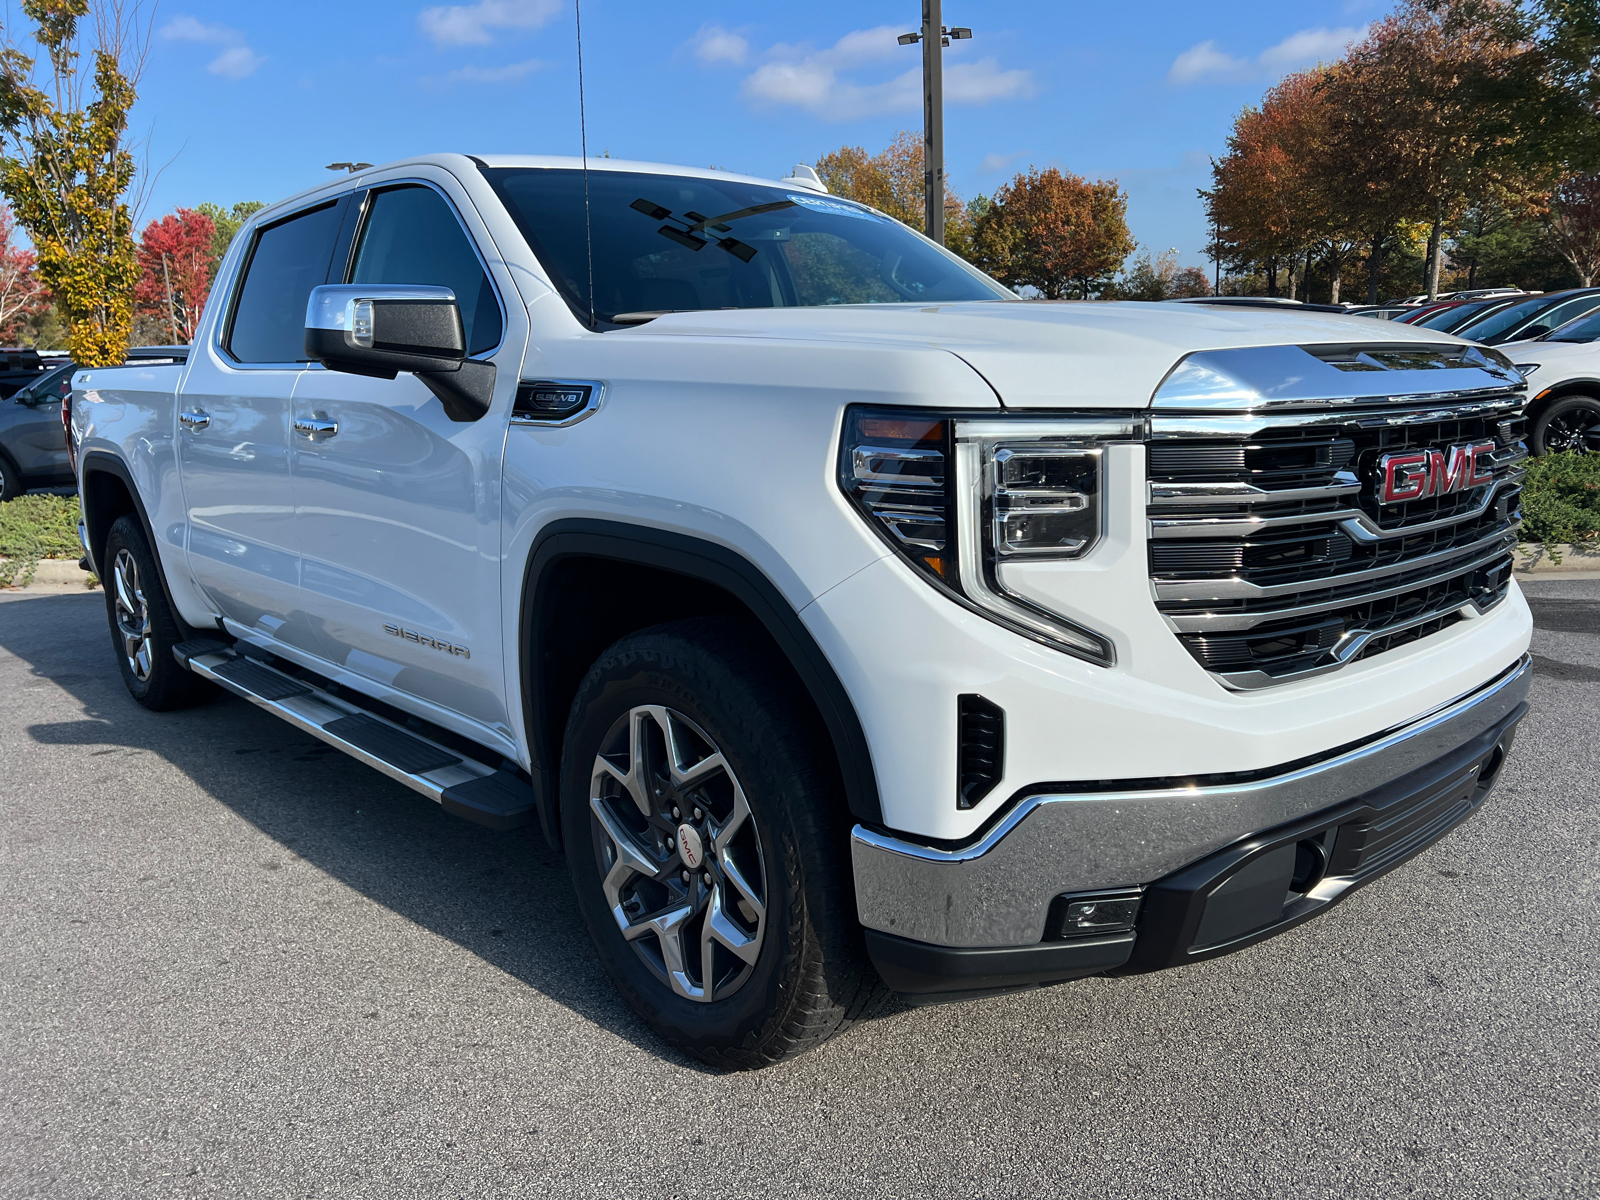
(730, 828)
(132, 615)
(721, 928)
(747, 893)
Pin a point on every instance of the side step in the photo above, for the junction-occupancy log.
(464, 786)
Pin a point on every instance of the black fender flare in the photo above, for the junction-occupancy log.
(103, 462)
(709, 563)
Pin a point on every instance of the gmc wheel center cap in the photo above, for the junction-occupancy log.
(690, 848)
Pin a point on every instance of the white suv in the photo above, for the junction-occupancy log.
(851, 623)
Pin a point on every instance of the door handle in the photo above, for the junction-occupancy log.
(316, 427)
(195, 420)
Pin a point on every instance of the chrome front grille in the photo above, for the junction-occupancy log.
(1273, 557)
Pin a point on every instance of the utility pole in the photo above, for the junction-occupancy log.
(934, 38)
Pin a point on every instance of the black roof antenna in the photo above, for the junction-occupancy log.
(583, 136)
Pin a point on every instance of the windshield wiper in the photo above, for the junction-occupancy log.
(693, 223)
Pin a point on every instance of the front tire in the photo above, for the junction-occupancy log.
(144, 629)
(1571, 423)
(707, 843)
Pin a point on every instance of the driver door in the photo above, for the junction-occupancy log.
(397, 506)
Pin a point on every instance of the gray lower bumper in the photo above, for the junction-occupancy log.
(997, 891)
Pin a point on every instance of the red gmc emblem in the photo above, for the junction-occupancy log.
(1418, 474)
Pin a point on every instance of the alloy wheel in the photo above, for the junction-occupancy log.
(133, 615)
(679, 853)
(1578, 429)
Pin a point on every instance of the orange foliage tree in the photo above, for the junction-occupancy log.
(1055, 232)
(892, 182)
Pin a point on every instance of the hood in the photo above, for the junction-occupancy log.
(1038, 354)
(1550, 352)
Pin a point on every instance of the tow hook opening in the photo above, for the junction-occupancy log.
(1491, 765)
(1310, 864)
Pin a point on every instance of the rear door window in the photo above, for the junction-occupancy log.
(412, 236)
(287, 261)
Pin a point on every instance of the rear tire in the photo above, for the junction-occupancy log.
(730, 927)
(1571, 423)
(10, 480)
(144, 629)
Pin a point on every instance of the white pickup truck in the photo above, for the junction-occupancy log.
(853, 625)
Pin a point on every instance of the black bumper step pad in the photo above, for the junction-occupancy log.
(259, 680)
(397, 748)
(196, 647)
(500, 801)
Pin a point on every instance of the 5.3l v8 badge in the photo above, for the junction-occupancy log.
(1418, 474)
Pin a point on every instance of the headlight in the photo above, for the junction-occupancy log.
(960, 496)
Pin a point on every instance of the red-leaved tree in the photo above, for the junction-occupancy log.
(22, 293)
(175, 262)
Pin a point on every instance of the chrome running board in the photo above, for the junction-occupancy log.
(461, 784)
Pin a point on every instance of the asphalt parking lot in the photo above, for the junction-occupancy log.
(234, 963)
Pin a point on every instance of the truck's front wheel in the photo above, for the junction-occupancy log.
(144, 629)
(705, 839)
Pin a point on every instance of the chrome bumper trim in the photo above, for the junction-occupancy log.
(997, 890)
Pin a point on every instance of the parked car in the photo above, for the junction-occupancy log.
(33, 445)
(1448, 318)
(1531, 318)
(20, 367)
(1563, 368)
(848, 622)
(1381, 312)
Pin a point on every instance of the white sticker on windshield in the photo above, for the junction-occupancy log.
(838, 208)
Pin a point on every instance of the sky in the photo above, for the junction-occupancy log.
(249, 101)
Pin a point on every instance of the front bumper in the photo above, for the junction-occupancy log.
(1212, 859)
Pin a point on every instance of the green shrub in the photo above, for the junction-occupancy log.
(1561, 499)
(35, 527)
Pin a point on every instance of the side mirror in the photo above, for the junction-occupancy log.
(383, 329)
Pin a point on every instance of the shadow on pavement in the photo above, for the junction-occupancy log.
(503, 896)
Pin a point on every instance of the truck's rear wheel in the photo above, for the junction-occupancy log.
(707, 844)
(144, 629)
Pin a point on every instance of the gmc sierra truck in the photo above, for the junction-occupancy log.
(852, 625)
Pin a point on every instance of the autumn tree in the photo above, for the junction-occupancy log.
(176, 268)
(892, 182)
(1158, 277)
(22, 294)
(66, 166)
(1573, 225)
(227, 222)
(1055, 232)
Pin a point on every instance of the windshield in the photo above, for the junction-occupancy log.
(666, 243)
(1449, 318)
(1584, 329)
(1510, 318)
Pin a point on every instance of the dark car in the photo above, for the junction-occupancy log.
(33, 446)
(1451, 317)
(1380, 312)
(1531, 318)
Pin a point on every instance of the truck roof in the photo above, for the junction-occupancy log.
(462, 162)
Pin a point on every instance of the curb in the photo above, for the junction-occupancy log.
(1533, 558)
(55, 575)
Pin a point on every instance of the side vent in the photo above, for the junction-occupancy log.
(554, 402)
(981, 756)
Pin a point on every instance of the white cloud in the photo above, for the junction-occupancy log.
(1205, 62)
(983, 82)
(238, 63)
(237, 60)
(989, 164)
(813, 79)
(714, 44)
(473, 24)
(509, 73)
